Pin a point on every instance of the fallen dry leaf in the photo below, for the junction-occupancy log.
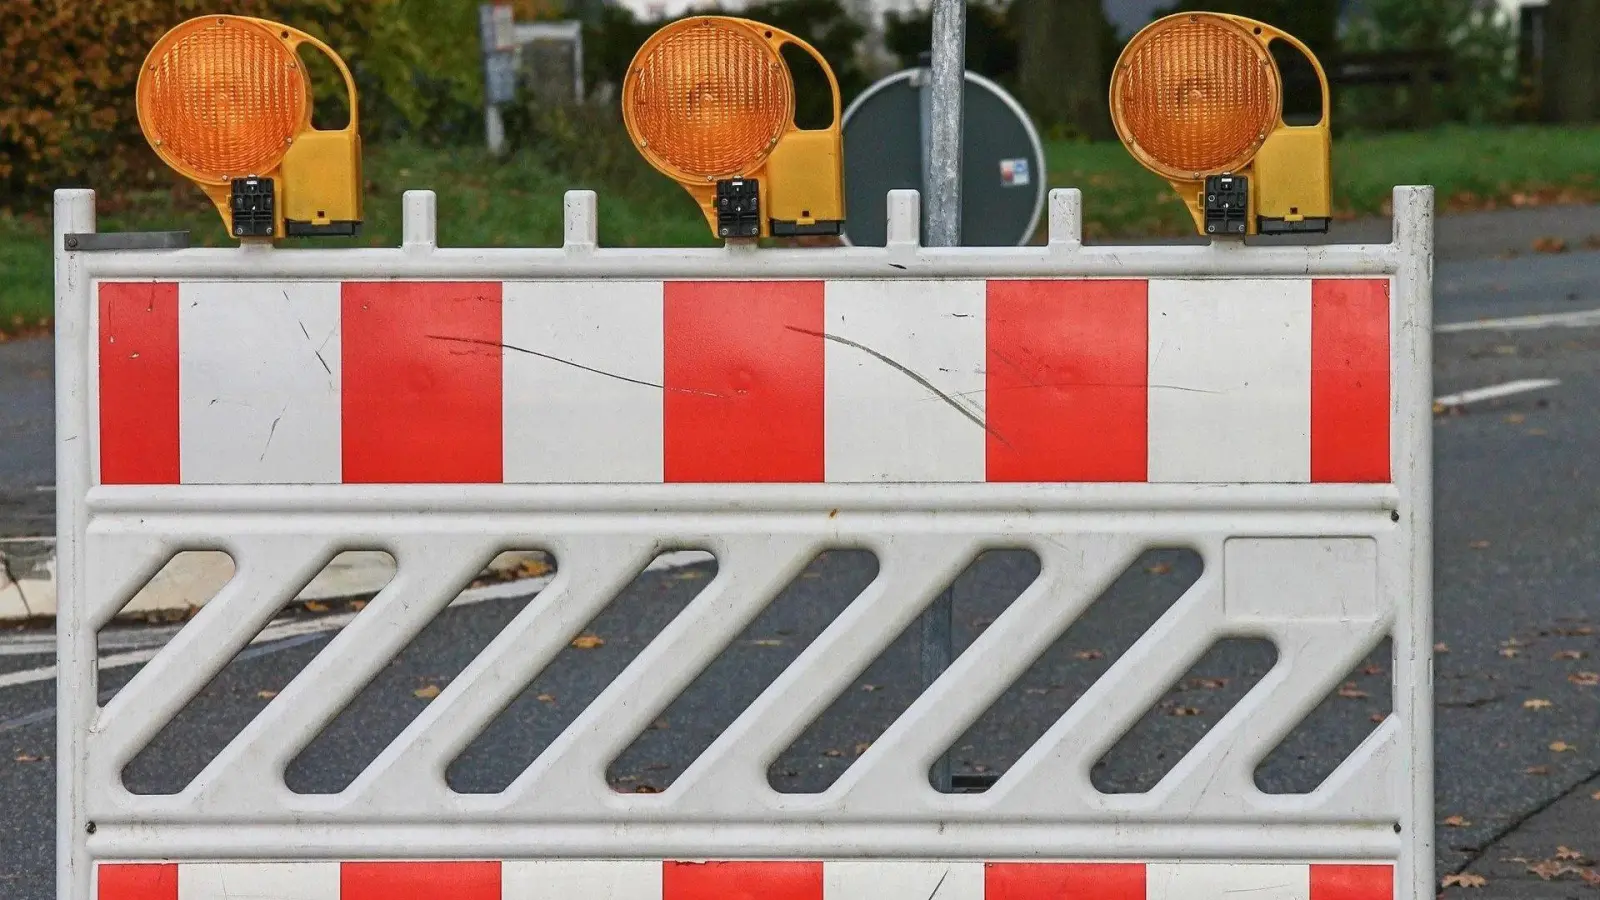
(660, 725)
(1568, 654)
(1372, 670)
(426, 692)
(689, 575)
(1591, 876)
(266, 695)
(1562, 747)
(1510, 652)
(1456, 822)
(1086, 655)
(1441, 647)
(1585, 679)
(1516, 419)
(1536, 770)
(1159, 568)
(27, 758)
(832, 753)
(358, 605)
(1546, 869)
(1564, 852)
(1183, 711)
(588, 641)
(1576, 631)
(767, 642)
(647, 789)
(545, 698)
(1537, 703)
(863, 747)
(1479, 545)
(1464, 879)
(869, 688)
(1377, 718)
(1211, 684)
(314, 606)
(1349, 691)
(1549, 244)
(1595, 796)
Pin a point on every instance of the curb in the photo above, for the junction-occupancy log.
(28, 586)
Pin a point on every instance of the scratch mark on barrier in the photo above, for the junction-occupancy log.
(936, 887)
(927, 385)
(270, 432)
(576, 365)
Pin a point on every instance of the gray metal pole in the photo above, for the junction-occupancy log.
(943, 202)
(944, 159)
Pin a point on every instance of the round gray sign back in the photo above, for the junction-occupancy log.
(885, 148)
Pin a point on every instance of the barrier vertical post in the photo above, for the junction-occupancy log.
(75, 634)
(1413, 474)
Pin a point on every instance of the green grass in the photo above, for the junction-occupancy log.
(485, 202)
(1471, 168)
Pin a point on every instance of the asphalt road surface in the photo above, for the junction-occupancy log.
(1518, 616)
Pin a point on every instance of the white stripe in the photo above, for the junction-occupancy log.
(259, 881)
(589, 879)
(882, 424)
(586, 417)
(1230, 380)
(1582, 319)
(1496, 391)
(891, 880)
(258, 382)
(1227, 881)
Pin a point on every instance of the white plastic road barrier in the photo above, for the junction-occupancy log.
(1268, 407)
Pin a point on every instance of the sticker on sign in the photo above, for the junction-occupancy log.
(1014, 172)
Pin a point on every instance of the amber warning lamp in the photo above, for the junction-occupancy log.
(709, 102)
(1198, 99)
(226, 102)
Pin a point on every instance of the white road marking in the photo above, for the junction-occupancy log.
(1496, 391)
(42, 644)
(1587, 318)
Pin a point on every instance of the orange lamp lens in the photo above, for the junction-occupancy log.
(707, 99)
(1195, 95)
(221, 98)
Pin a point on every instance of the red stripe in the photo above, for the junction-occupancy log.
(138, 881)
(1063, 881)
(419, 881)
(744, 395)
(1350, 380)
(139, 383)
(1368, 882)
(1067, 376)
(741, 881)
(422, 382)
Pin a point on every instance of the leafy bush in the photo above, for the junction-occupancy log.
(71, 66)
(1479, 45)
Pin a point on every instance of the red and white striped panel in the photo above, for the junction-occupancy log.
(1065, 380)
(764, 880)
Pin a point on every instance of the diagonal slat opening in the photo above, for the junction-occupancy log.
(738, 675)
(1333, 730)
(888, 686)
(1058, 677)
(242, 688)
(1188, 710)
(552, 700)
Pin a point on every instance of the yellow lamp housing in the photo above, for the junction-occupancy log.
(226, 102)
(709, 102)
(1198, 99)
